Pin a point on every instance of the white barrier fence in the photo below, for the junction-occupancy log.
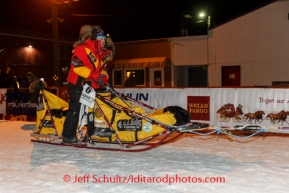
(204, 103)
(239, 104)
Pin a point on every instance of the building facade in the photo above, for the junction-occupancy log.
(149, 60)
(27, 51)
(250, 50)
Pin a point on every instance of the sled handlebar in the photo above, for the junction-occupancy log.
(98, 82)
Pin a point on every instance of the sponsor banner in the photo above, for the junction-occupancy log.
(156, 97)
(18, 103)
(226, 106)
(3, 99)
(216, 106)
(240, 106)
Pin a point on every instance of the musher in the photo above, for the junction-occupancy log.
(90, 53)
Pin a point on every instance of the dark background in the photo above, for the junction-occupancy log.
(124, 20)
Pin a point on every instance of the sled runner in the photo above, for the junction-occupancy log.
(111, 118)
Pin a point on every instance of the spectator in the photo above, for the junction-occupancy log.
(25, 83)
(130, 81)
(6, 80)
(35, 85)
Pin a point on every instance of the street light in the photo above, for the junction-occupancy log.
(56, 43)
(203, 15)
(55, 19)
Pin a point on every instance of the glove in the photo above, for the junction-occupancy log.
(102, 79)
(94, 75)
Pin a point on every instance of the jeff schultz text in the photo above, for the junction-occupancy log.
(167, 179)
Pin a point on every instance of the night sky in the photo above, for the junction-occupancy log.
(124, 20)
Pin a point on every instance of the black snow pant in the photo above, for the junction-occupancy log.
(72, 115)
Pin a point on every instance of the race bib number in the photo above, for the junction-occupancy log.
(87, 96)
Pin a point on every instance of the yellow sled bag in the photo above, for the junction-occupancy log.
(50, 105)
(129, 128)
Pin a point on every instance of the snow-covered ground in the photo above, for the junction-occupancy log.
(257, 164)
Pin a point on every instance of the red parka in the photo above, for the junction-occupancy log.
(87, 59)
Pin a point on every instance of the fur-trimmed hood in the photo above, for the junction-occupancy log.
(87, 31)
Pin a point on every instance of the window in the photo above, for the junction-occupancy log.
(62, 51)
(139, 76)
(69, 52)
(65, 51)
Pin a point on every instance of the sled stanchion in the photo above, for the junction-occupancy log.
(47, 112)
(112, 91)
(108, 123)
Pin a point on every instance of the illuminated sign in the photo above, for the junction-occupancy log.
(136, 65)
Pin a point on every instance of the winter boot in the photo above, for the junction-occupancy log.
(70, 140)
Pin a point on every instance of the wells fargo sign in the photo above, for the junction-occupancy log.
(199, 107)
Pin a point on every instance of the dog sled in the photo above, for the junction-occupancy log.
(111, 121)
